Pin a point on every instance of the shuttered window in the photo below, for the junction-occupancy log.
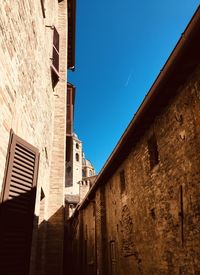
(17, 207)
(55, 57)
(69, 110)
(71, 34)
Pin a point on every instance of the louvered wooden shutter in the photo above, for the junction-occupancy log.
(56, 49)
(17, 207)
(55, 58)
(69, 111)
(71, 34)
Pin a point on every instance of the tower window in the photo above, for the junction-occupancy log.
(77, 157)
(153, 151)
(77, 146)
(90, 173)
(69, 169)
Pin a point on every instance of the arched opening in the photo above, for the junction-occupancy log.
(77, 157)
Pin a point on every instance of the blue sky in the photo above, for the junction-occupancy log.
(121, 46)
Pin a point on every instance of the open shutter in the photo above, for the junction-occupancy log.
(17, 207)
(56, 49)
(55, 57)
(71, 34)
(69, 127)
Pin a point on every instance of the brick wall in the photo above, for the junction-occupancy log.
(152, 223)
(34, 110)
(55, 227)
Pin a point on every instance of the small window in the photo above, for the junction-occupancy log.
(90, 173)
(153, 151)
(122, 181)
(77, 146)
(69, 169)
(77, 157)
(42, 195)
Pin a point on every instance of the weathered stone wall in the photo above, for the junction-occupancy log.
(89, 239)
(152, 224)
(35, 112)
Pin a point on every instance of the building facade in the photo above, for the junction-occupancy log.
(142, 214)
(37, 47)
(78, 169)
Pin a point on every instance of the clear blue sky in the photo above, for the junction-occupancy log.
(120, 48)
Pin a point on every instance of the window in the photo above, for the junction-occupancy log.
(77, 157)
(90, 173)
(122, 181)
(77, 146)
(83, 173)
(69, 169)
(42, 195)
(153, 151)
(17, 206)
(55, 58)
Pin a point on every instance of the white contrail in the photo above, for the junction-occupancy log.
(128, 79)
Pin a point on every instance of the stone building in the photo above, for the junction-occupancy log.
(78, 168)
(37, 41)
(88, 177)
(142, 215)
(87, 168)
(85, 185)
(74, 167)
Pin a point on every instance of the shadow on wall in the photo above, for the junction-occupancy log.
(50, 244)
(24, 246)
(16, 224)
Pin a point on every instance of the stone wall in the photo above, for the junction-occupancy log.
(34, 110)
(55, 229)
(147, 221)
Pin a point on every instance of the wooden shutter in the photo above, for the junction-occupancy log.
(69, 128)
(71, 34)
(55, 57)
(17, 207)
(56, 49)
